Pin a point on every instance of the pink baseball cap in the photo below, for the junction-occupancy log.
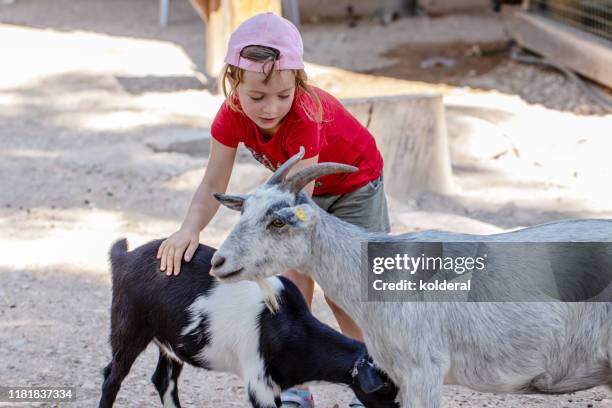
(268, 30)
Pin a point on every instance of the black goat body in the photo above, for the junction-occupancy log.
(226, 327)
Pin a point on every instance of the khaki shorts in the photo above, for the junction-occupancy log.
(365, 207)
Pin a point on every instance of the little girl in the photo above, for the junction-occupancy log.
(272, 110)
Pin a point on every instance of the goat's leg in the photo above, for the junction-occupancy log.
(124, 355)
(165, 380)
(262, 395)
(422, 387)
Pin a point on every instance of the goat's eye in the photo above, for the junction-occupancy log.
(276, 223)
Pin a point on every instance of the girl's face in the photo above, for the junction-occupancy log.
(267, 104)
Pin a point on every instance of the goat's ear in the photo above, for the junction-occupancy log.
(368, 379)
(233, 202)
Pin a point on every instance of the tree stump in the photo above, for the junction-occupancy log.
(410, 131)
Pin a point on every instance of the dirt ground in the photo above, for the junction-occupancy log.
(103, 134)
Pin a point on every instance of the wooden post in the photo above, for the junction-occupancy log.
(221, 17)
(579, 50)
(410, 131)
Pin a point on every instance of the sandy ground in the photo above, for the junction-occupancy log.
(104, 128)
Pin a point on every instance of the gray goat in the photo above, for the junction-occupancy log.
(536, 347)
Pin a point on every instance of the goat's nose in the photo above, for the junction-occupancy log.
(217, 260)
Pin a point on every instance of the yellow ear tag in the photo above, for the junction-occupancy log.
(300, 214)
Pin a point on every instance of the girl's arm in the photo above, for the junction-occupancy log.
(203, 207)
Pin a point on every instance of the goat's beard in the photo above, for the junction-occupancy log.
(269, 296)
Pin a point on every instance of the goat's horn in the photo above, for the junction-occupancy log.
(299, 180)
(280, 173)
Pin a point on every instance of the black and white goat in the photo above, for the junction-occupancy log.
(226, 327)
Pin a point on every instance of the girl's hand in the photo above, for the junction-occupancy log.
(202, 209)
(171, 250)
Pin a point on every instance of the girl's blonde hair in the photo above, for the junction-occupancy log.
(268, 56)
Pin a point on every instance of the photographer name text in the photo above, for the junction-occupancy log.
(421, 285)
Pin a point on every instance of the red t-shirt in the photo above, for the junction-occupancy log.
(339, 138)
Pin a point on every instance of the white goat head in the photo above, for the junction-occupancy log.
(275, 229)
